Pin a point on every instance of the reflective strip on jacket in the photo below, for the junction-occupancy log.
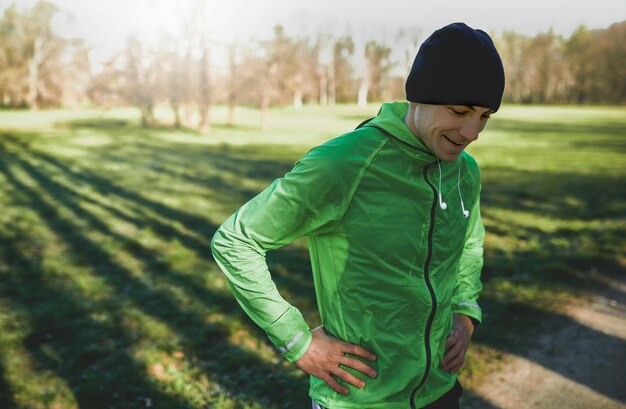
(390, 267)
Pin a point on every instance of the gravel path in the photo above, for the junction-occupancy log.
(579, 365)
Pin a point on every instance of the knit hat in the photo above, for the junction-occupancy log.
(457, 65)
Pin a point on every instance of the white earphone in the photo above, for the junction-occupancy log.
(442, 204)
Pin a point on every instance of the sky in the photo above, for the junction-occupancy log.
(105, 24)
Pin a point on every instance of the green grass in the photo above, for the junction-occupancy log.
(109, 297)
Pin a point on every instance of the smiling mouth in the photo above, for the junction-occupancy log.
(452, 142)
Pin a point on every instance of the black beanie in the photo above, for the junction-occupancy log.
(457, 65)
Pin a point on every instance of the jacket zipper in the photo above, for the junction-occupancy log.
(433, 298)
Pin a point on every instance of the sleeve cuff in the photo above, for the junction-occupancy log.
(297, 347)
(469, 309)
(290, 335)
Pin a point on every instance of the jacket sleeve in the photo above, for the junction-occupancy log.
(309, 200)
(465, 298)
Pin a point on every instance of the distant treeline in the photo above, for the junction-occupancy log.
(587, 67)
(39, 69)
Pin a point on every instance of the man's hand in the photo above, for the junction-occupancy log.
(457, 343)
(324, 356)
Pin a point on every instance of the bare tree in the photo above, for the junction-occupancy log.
(512, 46)
(322, 52)
(204, 72)
(141, 75)
(268, 81)
(233, 83)
(174, 75)
(342, 84)
(278, 64)
(40, 40)
(376, 69)
(37, 67)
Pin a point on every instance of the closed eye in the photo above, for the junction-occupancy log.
(459, 113)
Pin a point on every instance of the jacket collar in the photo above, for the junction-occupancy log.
(390, 119)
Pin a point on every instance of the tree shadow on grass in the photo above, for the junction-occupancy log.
(106, 188)
(116, 124)
(6, 392)
(245, 162)
(538, 129)
(233, 369)
(133, 126)
(196, 232)
(168, 161)
(576, 233)
(64, 338)
(558, 195)
(137, 145)
(94, 123)
(572, 259)
(67, 341)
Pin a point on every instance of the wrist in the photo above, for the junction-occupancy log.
(467, 322)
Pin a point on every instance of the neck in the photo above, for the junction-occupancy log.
(409, 119)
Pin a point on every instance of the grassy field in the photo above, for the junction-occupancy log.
(109, 297)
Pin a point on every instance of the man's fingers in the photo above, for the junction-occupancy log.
(453, 359)
(455, 364)
(451, 340)
(452, 344)
(453, 350)
(359, 366)
(452, 354)
(358, 351)
(326, 354)
(348, 377)
(335, 385)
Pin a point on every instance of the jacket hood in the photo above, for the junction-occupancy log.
(390, 118)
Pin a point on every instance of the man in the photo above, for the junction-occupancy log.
(391, 214)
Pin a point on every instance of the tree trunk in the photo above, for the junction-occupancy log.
(189, 96)
(331, 85)
(188, 110)
(32, 97)
(265, 106)
(147, 116)
(297, 99)
(323, 87)
(363, 89)
(232, 85)
(176, 109)
(230, 119)
(204, 125)
(205, 92)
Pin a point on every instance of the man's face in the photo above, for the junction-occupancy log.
(447, 129)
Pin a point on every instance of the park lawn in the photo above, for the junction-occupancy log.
(109, 297)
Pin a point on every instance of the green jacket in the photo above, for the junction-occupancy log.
(390, 267)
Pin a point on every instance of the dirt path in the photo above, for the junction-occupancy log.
(580, 365)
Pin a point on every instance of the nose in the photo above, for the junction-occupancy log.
(471, 129)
